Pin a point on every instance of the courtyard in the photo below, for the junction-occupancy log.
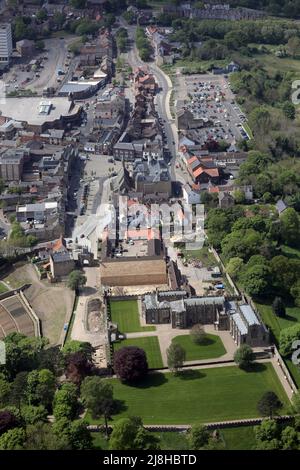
(126, 314)
(211, 348)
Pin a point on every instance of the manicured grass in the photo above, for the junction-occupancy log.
(151, 347)
(212, 347)
(171, 440)
(241, 438)
(198, 396)
(3, 288)
(276, 324)
(125, 314)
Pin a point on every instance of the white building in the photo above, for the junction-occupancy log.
(5, 43)
(190, 196)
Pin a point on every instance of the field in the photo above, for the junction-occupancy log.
(198, 396)
(213, 347)
(125, 314)
(151, 347)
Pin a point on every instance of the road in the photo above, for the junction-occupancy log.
(162, 98)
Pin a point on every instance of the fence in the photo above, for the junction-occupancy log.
(70, 321)
(235, 289)
(186, 427)
(285, 371)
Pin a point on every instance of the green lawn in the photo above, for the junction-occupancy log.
(125, 314)
(198, 396)
(241, 438)
(151, 347)
(213, 347)
(3, 288)
(276, 324)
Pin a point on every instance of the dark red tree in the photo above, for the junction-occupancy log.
(7, 421)
(130, 363)
(77, 367)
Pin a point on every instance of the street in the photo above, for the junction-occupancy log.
(162, 98)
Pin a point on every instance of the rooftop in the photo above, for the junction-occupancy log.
(33, 110)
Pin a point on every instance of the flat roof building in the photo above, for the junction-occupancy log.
(39, 115)
(6, 47)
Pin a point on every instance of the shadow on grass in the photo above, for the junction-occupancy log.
(206, 342)
(118, 407)
(151, 380)
(190, 374)
(256, 367)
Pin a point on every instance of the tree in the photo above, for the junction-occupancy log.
(40, 45)
(40, 436)
(19, 390)
(80, 436)
(144, 440)
(5, 388)
(234, 267)
(289, 110)
(22, 353)
(76, 279)
(65, 401)
(198, 334)
(97, 395)
(290, 439)
(58, 19)
(257, 280)
(7, 421)
(34, 414)
(295, 292)
(77, 367)
(269, 404)
(41, 15)
(175, 357)
(13, 439)
(129, 433)
(239, 196)
(287, 337)
(130, 363)
(79, 4)
(198, 437)
(290, 227)
(244, 356)
(41, 385)
(278, 307)
(267, 430)
(293, 46)
(74, 346)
